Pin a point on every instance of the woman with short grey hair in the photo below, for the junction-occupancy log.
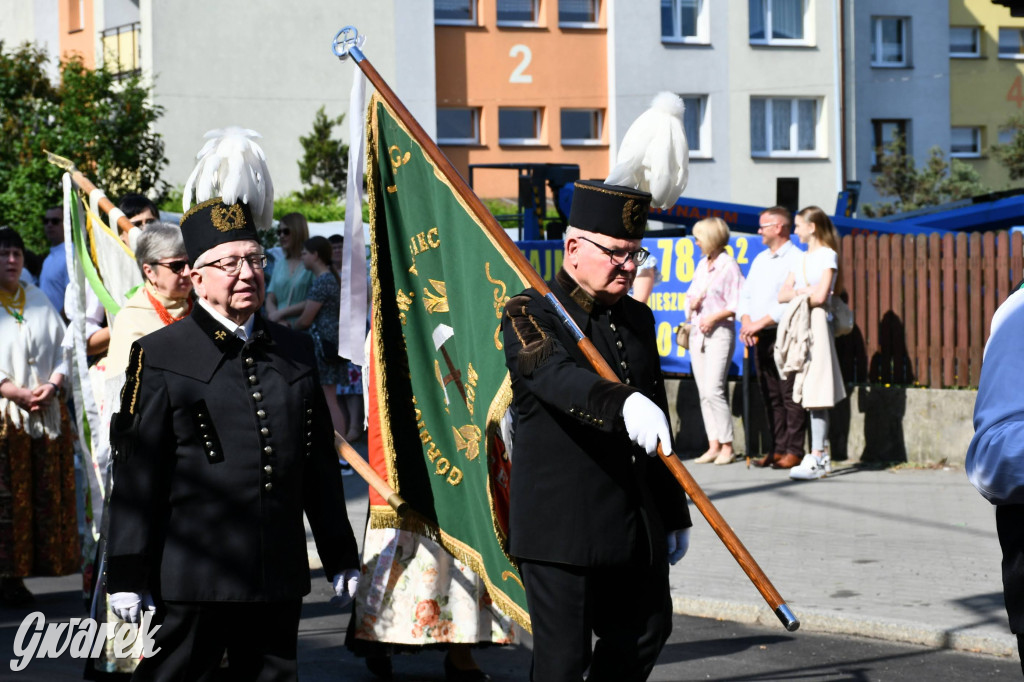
(163, 298)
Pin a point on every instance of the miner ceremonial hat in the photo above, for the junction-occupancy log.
(212, 223)
(619, 212)
(654, 158)
(232, 192)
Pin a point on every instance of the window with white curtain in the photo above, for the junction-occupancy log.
(783, 126)
(965, 142)
(777, 21)
(578, 13)
(455, 12)
(697, 126)
(964, 41)
(684, 21)
(889, 41)
(518, 12)
(458, 125)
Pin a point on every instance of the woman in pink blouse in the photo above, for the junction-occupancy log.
(711, 304)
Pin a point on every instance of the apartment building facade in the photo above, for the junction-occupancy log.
(800, 95)
(986, 74)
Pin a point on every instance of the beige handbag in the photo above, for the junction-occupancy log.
(683, 335)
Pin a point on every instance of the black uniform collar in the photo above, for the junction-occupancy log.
(221, 337)
(587, 303)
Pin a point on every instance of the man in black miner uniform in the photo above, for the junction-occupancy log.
(590, 511)
(222, 441)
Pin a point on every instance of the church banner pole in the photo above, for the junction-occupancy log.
(345, 45)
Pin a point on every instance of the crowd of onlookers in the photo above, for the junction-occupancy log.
(784, 307)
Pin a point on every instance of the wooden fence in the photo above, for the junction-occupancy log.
(923, 305)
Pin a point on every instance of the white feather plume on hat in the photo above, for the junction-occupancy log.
(654, 156)
(231, 165)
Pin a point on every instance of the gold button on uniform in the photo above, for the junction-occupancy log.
(257, 396)
(261, 414)
(268, 486)
(269, 469)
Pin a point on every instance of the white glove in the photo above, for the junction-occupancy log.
(646, 424)
(345, 585)
(128, 605)
(678, 542)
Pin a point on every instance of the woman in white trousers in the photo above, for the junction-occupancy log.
(711, 303)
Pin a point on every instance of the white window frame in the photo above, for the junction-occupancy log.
(583, 141)
(976, 32)
(506, 22)
(703, 36)
(596, 23)
(794, 151)
(1019, 54)
(975, 132)
(472, 21)
(876, 43)
(766, 11)
(703, 148)
(475, 139)
(538, 120)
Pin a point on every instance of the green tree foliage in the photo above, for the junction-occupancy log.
(1011, 154)
(937, 182)
(104, 125)
(324, 164)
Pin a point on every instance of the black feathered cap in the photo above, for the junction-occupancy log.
(212, 223)
(619, 212)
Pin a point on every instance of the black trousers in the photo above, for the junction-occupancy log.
(627, 606)
(259, 638)
(1010, 528)
(787, 419)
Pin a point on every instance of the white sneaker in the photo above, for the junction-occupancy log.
(811, 468)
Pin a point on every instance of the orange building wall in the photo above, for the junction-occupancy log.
(568, 68)
(82, 42)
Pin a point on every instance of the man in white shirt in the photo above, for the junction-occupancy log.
(760, 312)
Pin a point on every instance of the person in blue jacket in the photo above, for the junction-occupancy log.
(995, 458)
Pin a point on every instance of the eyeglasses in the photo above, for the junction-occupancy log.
(232, 265)
(283, 232)
(175, 266)
(767, 225)
(619, 257)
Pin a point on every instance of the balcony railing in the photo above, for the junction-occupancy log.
(121, 49)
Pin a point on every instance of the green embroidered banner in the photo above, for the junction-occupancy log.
(440, 284)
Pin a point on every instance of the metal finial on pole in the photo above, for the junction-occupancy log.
(347, 42)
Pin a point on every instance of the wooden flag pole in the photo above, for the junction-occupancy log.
(363, 468)
(88, 187)
(346, 45)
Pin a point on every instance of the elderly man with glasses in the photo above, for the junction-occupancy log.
(595, 518)
(223, 440)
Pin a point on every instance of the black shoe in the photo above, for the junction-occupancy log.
(380, 666)
(453, 674)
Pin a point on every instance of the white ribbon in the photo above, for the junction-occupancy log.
(352, 316)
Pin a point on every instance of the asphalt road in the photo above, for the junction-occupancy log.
(699, 649)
